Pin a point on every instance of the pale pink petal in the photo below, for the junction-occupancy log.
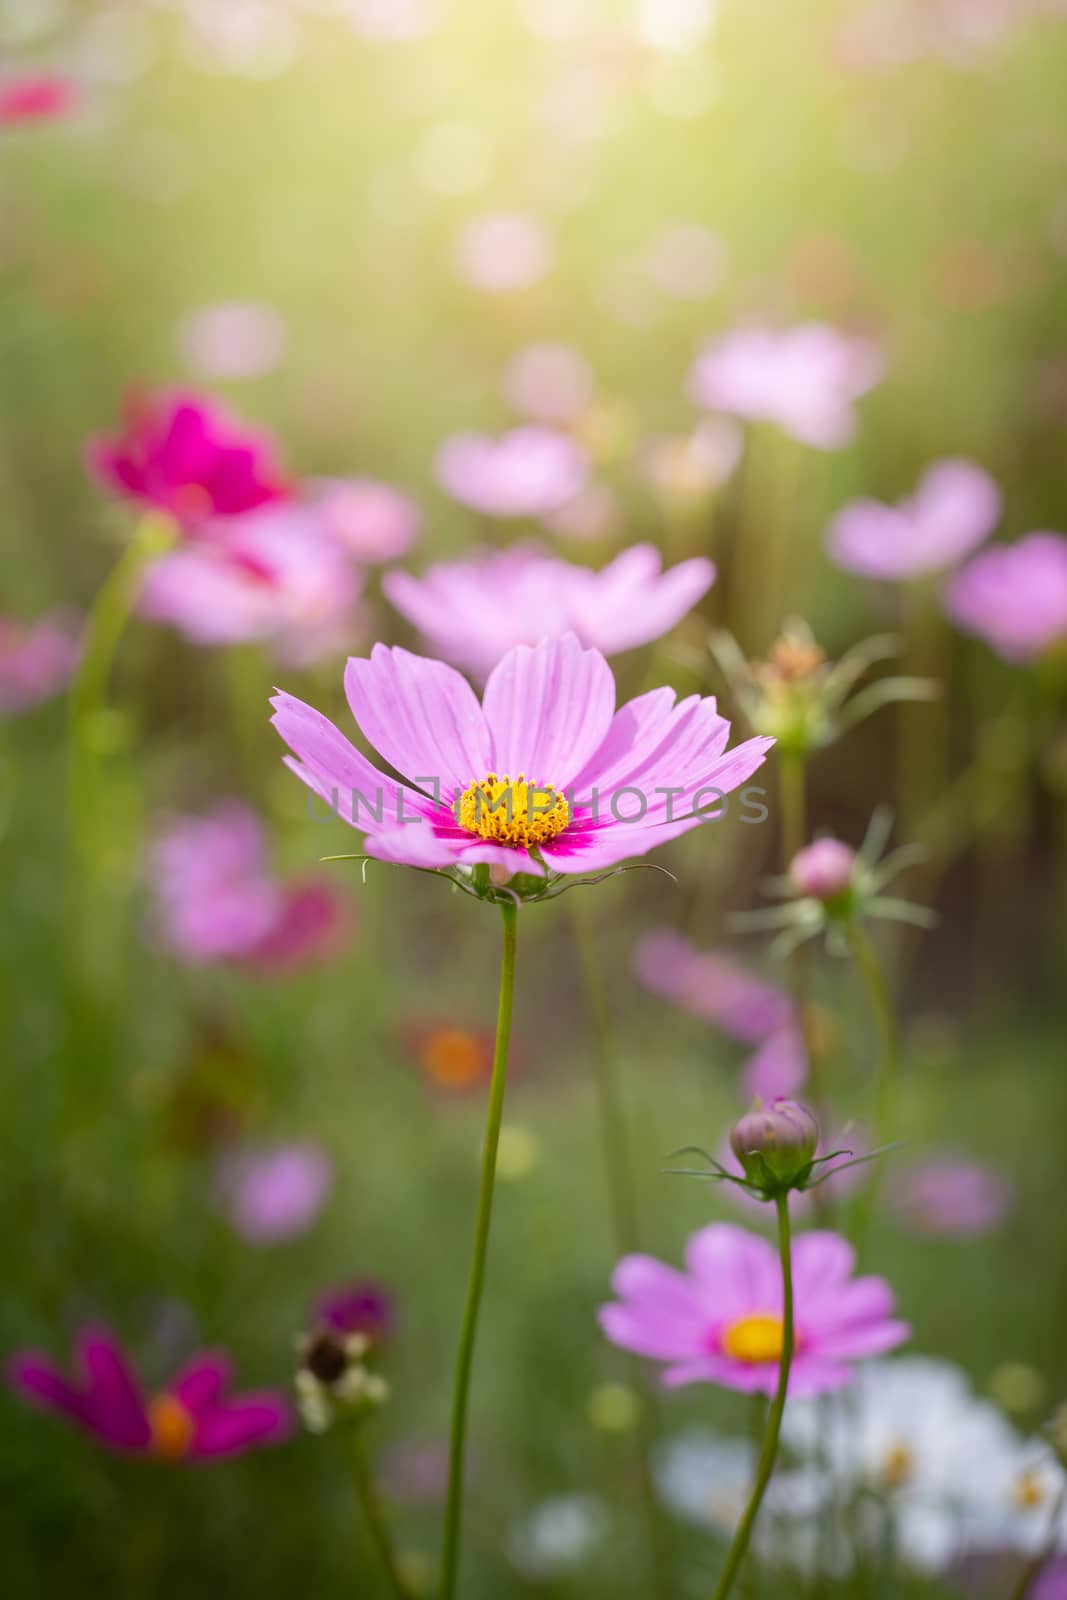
(647, 1332)
(739, 1269)
(332, 766)
(548, 708)
(422, 716)
(822, 1262)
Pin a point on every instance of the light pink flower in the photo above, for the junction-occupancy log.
(685, 469)
(275, 1192)
(720, 1321)
(1014, 596)
(711, 986)
(549, 382)
(37, 97)
(374, 521)
(805, 379)
(528, 472)
(37, 659)
(955, 508)
(484, 783)
(594, 513)
(777, 1066)
(502, 254)
(275, 574)
(473, 611)
(232, 340)
(686, 260)
(950, 1196)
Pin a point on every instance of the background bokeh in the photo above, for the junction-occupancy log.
(897, 170)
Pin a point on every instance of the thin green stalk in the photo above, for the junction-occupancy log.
(769, 1452)
(869, 968)
(373, 1510)
(468, 1331)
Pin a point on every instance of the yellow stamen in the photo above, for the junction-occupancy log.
(898, 1466)
(172, 1427)
(519, 813)
(754, 1339)
(1029, 1492)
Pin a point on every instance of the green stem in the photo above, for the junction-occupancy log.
(373, 1511)
(882, 1132)
(769, 1452)
(469, 1329)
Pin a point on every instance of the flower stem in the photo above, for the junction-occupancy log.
(863, 953)
(373, 1511)
(469, 1329)
(769, 1452)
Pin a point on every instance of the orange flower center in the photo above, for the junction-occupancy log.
(516, 813)
(453, 1058)
(755, 1339)
(172, 1427)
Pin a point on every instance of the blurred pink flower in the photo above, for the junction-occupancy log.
(594, 513)
(527, 472)
(235, 339)
(276, 574)
(548, 713)
(951, 1196)
(503, 254)
(374, 521)
(362, 1307)
(275, 1192)
(778, 1066)
(36, 97)
(1014, 596)
(473, 611)
(823, 870)
(312, 926)
(192, 1419)
(720, 1321)
(954, 509)
(37, 659)
(685, 469)
(710, 986)
(182, 454)
(686, 260)
(805, 379)
(391, 20)
(549, 382)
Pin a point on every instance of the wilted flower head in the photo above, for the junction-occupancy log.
(372, 520)
(503, 254)
(543, 779)
(720, 1321)
(1014, 596)
(37, 659)
(951, 1196)
(474, 610)
(275, 1191)
(550, 383)
(955, 508)
(36, 97)
(183, 455)
(528, 472)
(775, 1144)
(805, 379)
(191, 1419)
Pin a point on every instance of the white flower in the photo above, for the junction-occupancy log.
(557, 1535)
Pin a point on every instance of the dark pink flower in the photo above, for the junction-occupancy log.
(183, 455)
(191, 1419)
(363, 1307)
(312, 926)
(37, 97)
(37, 659)
(1014, 596)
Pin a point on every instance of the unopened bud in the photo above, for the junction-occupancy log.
(776, 1143)
(823, 870)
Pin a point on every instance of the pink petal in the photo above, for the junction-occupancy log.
(38, 1380)
(330, 765)
(642, 1278)
(737, 1270)
(422, 716)
(201, 1382)
(865, 1339)
(822, 1262)
(548, 709)
(647, 1332)
(117, 1407)
(241, 1424)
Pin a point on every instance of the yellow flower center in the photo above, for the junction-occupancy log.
(897, 1467)
(519, 813)
(1029, 1492)
(172, 1427)
(453, 1058)
(754, 1339)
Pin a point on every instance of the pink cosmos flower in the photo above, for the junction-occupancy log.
(805, 379)
(473, 611)
(275, 574)
(951, 1196)
(710, 986)
(183, 455)
(38, 97)
(551, 383)
(528, 472)
(192, 1419)
(275, 1192)
(544, 764)
(954, 509)
(503, 254)
(37, 659)
(372, 520)
(720, 1321)
(1014, 596)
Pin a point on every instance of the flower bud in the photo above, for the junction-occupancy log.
(775, 1144)
(823, 870)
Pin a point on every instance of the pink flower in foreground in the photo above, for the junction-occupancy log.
(805, 379)
(275, 574)
(40, 97)
(372, 520)
(720, 1321)
(275, 1192)
(473, 611)
(191, 1419)
(528, 472)
(951, 1197)
(184, 455)
(543, 774)
(503, 254)
(37, 659)
(1014, 596)
(954, 509)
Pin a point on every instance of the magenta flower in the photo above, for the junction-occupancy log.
(529, 472)
(37, 659)
(1014, 596)
(183, 455)
(544, 776)
(192, 1419)
(710, 986)
(954, 509)
(805, 379)
(312, 926)
(275, 1192)
(473, 611)
(38, 97)
(372, 520)
(275, 574)
(365, 1308)
(720, 1321)
(950, 1196)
